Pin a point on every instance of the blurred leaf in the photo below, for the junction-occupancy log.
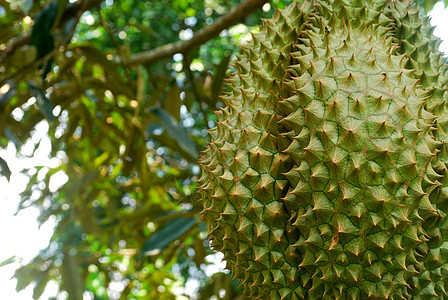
(42, 102)
(114, 80)
(68, 28)
(143, 28)
(428, 5)
(125, 51)
(6, 32)
(9, 94)
(5, 171)
(160, 86)
(173, 214)
(78, 184)
(142, 84)
(93, 54)
(219, 78)
(172, 143)
(175, 131)
(10, 260)
(12, 138)
(24, 276)
(24, 56)
(173, 102)
(27, 274)
(72, 281)
(40, 283)
(167, 234)
(61, 8)
(41, 36)
(199, 252)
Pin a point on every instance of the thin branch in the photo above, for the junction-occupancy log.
(235, 16)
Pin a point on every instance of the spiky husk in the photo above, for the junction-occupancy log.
(325, 176)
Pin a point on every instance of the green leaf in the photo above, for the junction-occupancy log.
(175, 131)
(40, 283)
(93, 54)
(9, 94)
(24, 56)
(6, 31)
(142, 84)
(142, 28)
(27, 274)
(5, 171)
(219, 78)
(69, 29)
(61, 8)
(172, 144)
(71, 278)
(76, 185)
(427, 5)
(115, 81)
(172, 214)
(167, 234)
(173, 102)
(41, 35)
(12, 138)
(24, 275)
(8, 261)
(42, 102)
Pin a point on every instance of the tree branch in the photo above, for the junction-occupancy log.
(236, 15)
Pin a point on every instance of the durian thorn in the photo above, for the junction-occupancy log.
(292, 215)
(348, 38)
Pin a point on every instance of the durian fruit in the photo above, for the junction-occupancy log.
(413, 33)
(325, 177)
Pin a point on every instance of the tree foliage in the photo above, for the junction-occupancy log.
(127, 90)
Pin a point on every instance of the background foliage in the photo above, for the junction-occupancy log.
(126, 132)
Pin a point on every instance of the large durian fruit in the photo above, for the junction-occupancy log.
(325, 177)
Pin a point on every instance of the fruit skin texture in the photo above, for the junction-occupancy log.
(325, 177)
